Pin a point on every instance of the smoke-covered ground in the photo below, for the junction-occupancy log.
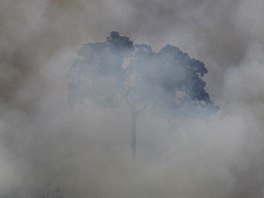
(48, 149)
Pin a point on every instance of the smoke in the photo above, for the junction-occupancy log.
(48, 149)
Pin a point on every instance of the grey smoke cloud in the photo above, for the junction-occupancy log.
(85, 153)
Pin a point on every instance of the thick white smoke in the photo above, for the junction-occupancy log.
(49, 150)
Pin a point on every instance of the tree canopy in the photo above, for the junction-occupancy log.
(117, 71)
(168, 81)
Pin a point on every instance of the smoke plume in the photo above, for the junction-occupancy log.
(50, 150)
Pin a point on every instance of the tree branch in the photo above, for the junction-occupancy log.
(142, 109)
(125, 95)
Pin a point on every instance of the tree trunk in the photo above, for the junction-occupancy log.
(134, 117)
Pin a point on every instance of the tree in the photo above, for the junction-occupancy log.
(169, 82)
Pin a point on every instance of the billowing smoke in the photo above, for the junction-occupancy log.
(48, 149)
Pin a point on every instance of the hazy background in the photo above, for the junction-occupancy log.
(45, 146)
